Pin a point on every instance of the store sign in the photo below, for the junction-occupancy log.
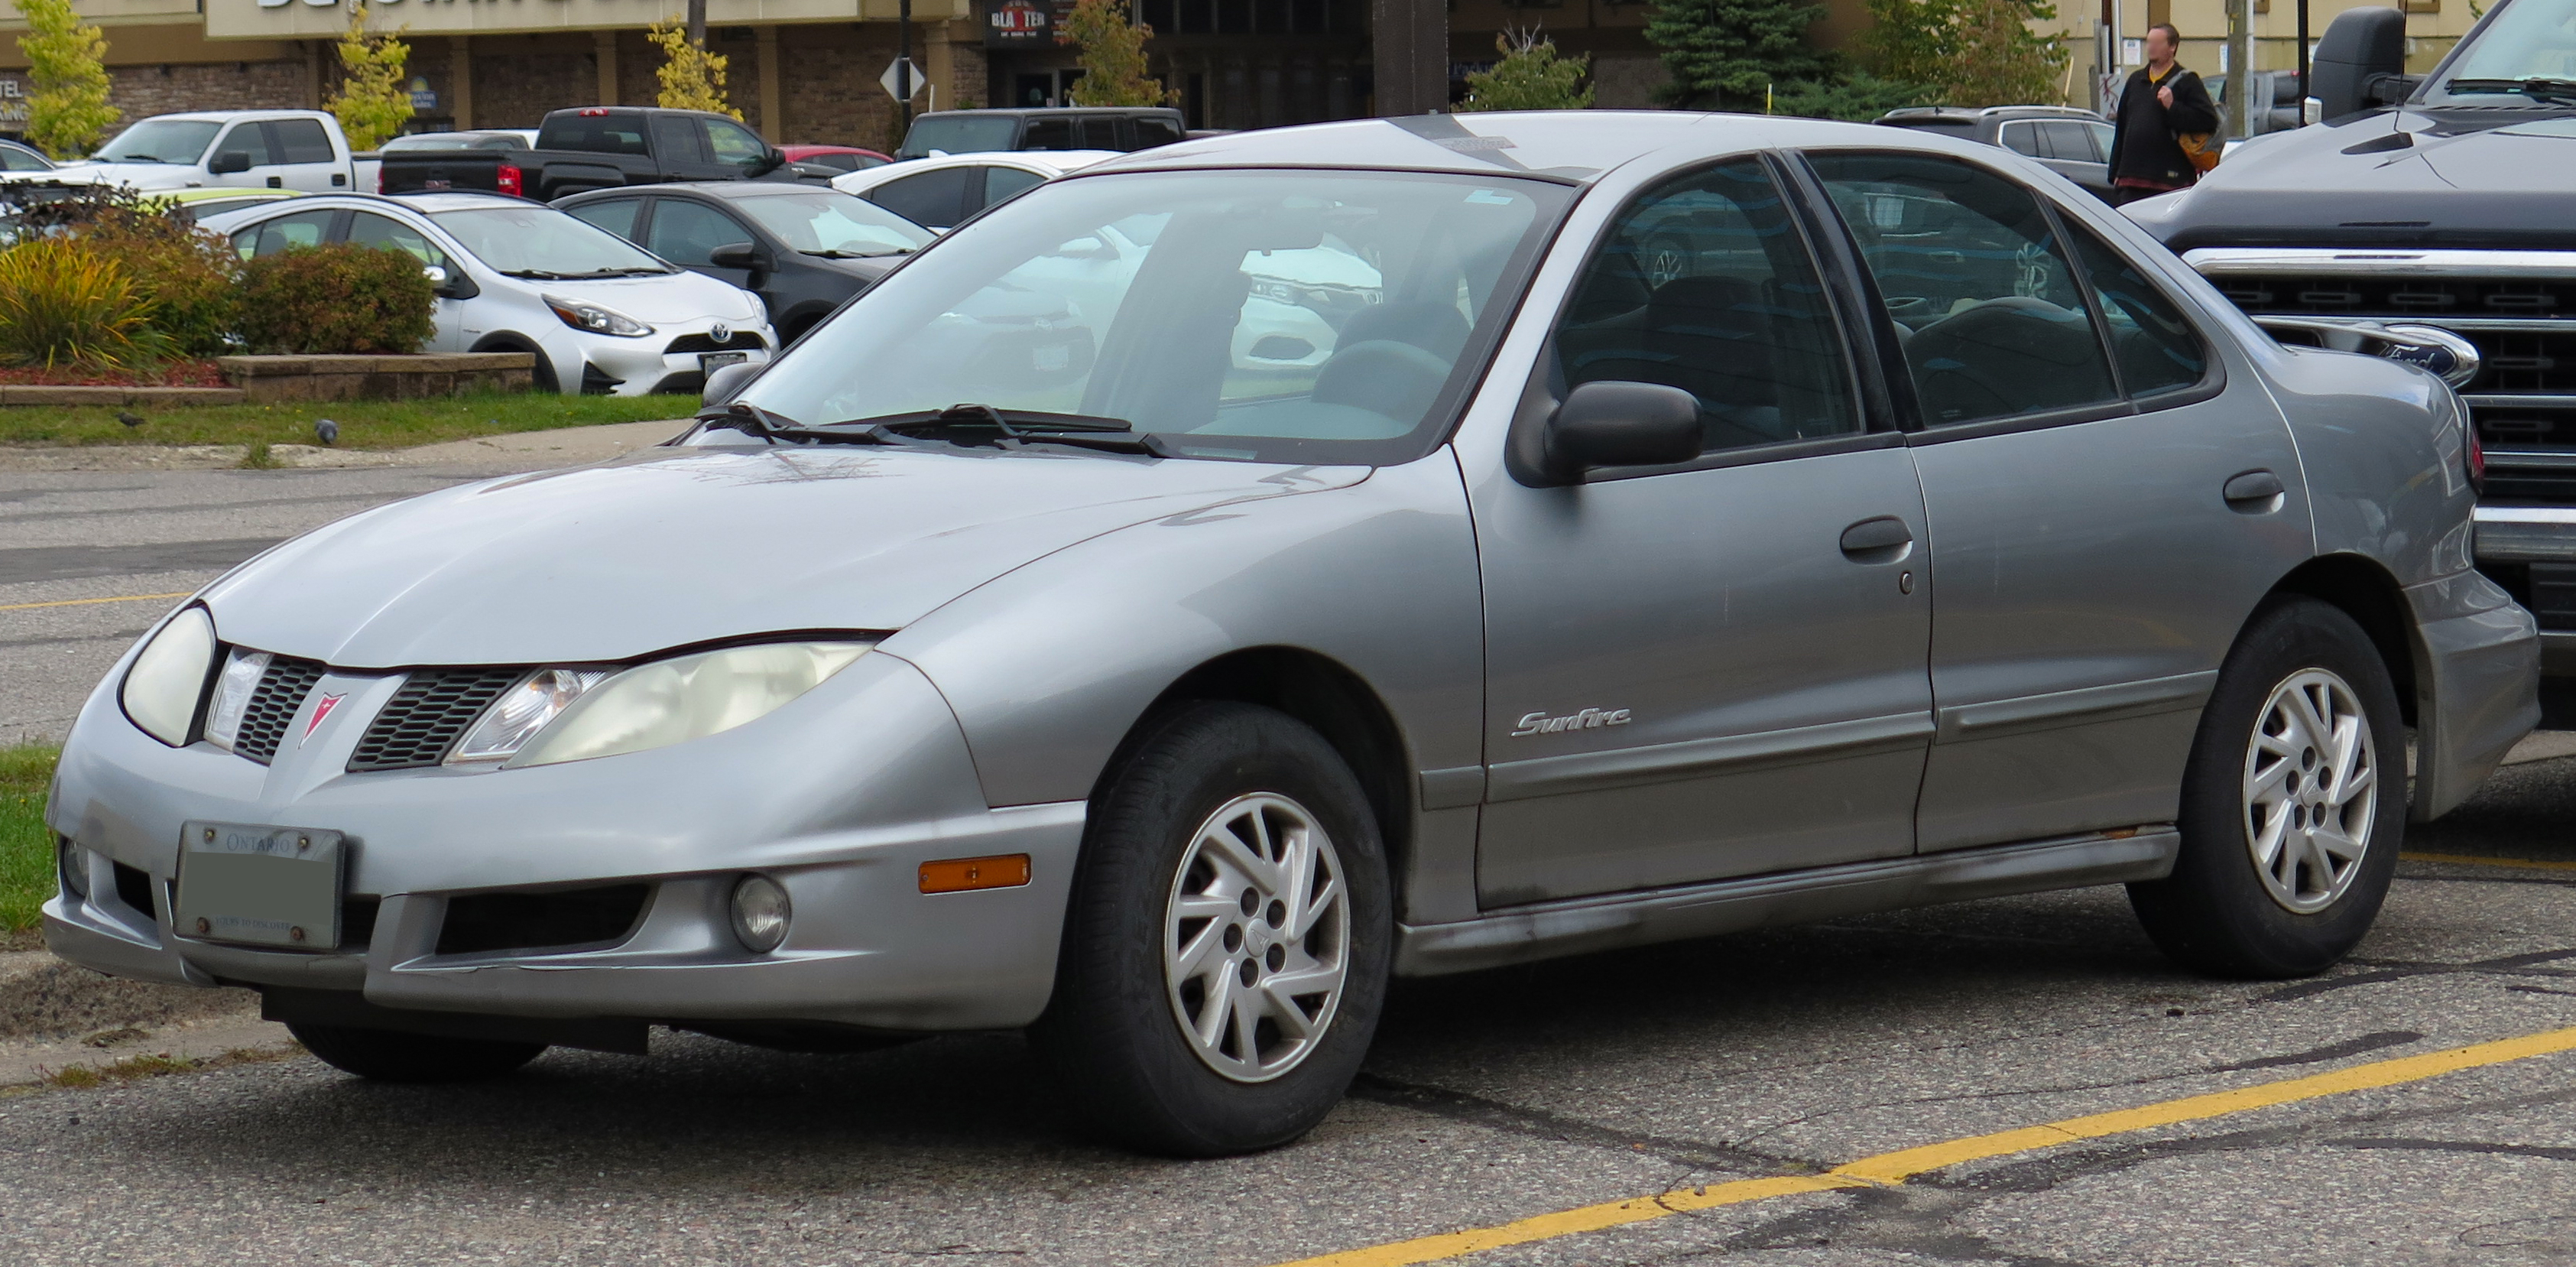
(1020, 23)
(13, 104)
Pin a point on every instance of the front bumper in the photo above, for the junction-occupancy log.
(840, 796)
(2477, 687)
(600, 364)
(2529, 543)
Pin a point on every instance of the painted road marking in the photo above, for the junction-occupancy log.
(2472, 860)
(84, 602)
(1888, 1169)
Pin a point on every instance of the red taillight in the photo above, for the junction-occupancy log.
(508, 180)
(380, 180)
(2476, 453)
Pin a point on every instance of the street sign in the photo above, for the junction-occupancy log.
(888, 79)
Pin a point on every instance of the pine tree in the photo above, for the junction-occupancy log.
(372, 102)
(1530, 76)
(1735, 54)
(692, 78)
(1112, 56)
(67, 60)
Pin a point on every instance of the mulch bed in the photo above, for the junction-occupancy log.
(173, 374)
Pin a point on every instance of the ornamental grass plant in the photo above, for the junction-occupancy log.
(64, 303)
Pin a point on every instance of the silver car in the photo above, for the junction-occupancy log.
(1705, 522)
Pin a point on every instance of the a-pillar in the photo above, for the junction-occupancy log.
(460, 79)
(606, 44)
(773, 127)
(1410, 46)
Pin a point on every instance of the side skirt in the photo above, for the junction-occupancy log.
(1547, 930)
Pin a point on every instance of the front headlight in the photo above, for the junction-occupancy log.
(595, 319)
(163, 688)
(686, 697)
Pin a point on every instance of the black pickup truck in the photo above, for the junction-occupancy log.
(600, 147)
(2448, 201)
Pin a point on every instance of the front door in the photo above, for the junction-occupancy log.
(250, 140)
(2102, 524)
(1714, 669)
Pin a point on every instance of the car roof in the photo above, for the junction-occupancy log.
(1577, 146)
(1043, 110)
(733, 190)
(1044, 162)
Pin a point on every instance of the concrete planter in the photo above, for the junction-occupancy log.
(270, 378)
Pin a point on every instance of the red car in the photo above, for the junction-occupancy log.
(848, 158)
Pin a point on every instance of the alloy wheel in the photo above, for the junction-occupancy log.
(1256, 943)
(2311, 790)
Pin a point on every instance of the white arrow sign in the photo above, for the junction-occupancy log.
(888, 79)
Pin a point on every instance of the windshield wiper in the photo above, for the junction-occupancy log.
(1004, 426)
(539, 274)
(2537, 87)
(752, 420)
(837, 253)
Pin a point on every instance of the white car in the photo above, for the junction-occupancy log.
(604, 316)
(940, 192)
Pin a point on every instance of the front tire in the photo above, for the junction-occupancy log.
(1225, 953)
(385, 1056)
(2293, 803)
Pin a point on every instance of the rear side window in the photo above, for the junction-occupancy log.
(617, 215)
(302, 141)
(1003, 182)
(2069, 140)
(1705, 284)
(1986, 302)
(2156, 348)
(596, 133)
(366, 228)
(268, 237)
(932, 200)
(1049, 134)
(2022, 138)
(1153, 132)
(1100, 134)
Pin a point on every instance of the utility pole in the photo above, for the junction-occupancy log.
(698, 22)
(903, 61)
(2303, 60)
(2241, 121)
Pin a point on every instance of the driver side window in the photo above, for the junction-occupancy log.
(734, 145)
(1987, 307)
(1705, 284)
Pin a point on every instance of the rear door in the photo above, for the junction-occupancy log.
(367, 228)
(2072, 153)
(934, 199)
(2080, 446)
(305, 156)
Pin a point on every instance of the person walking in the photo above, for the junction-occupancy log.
(2160, 102)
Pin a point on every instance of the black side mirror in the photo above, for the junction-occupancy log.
(727, 383)
(766, 163)
(2362, 52)
(1622, 424)
(229, 162)
(735, 255)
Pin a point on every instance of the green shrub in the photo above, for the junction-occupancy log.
(340, 298)
(64, 304)
(190, 275)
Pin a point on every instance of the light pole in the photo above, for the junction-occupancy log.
(698, 22)
(903, 61)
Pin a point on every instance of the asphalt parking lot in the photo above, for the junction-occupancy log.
(1680, 1104)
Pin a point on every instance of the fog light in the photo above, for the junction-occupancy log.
(760, 913)
(72, 865)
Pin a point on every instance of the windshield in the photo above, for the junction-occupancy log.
(1248, 315)
(160, 141)
(964, 134)
(2530, 39)
(541, 241)
(834, 221)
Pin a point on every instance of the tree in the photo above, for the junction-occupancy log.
(1736, 54)
(1968, 52)
(1853, 95)
(1530, 76)
(692, 78)
(67, 60)
(1112, 56)
(371, 102)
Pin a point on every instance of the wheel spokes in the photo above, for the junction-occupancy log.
(2310, 790)
(1259, 882)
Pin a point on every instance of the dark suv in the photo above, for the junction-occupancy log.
(2074, 143)
(1042, 128)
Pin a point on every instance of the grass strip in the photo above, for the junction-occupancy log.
(364, 424)
(26, 848)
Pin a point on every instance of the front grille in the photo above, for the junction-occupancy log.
(2397, 295)
(483, 922)
(273, 704)
(742, 341)
(427, 715)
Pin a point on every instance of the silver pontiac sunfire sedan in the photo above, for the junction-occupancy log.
(1695, 522)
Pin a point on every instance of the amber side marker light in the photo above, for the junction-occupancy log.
(958, 875)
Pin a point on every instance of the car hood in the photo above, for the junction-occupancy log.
(145, 176)
(667, 299)
(670, 547)
(2409, 177)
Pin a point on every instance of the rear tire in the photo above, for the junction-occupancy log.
(2293, 803)
(1226, 948)
(386, 1056)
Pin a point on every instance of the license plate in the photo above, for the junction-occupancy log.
(435, 185)
(713, 361)
(260, 886)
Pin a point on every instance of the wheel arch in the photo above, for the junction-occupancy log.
(1323, 693)
(548, 377)
(2362, 589)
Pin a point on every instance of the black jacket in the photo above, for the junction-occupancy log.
(2143, 145)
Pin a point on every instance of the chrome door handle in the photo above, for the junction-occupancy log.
(1880, 540)
(2254, 492)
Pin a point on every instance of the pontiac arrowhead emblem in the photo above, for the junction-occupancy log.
(321, 708)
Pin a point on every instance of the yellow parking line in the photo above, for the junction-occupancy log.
(1897, 1167)
(84, 602)
(2474, 861)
